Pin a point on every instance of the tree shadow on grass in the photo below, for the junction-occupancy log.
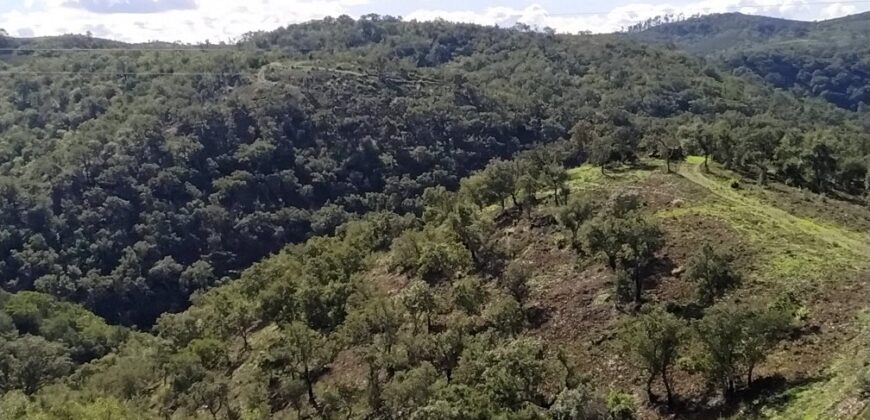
(657, 271)
(631, 167)
(691, 310)
(767, 392)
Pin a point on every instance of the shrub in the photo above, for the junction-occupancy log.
(621, 405)
(712, 271)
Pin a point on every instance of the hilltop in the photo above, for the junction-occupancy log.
(822, 58)
(710, 35)
(715, 34)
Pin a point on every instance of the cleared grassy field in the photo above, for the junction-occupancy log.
(822, 261)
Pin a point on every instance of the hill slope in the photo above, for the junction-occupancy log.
(712, 34)
(826, 59)
(134, 177)
(314, 192)
(391, 345)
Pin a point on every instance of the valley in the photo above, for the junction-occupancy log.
(384, 219)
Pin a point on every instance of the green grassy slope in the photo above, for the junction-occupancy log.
(822, 260)
(797, 253)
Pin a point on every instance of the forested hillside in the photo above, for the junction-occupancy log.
(134, 177)
(534, 292)
(384, 219)
(827, 59)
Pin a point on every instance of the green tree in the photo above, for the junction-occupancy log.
(554, 177)
(504, 179)
(666, 146)
(736, 338)
(516, 373)
(373, 327)
(851, 175)
(477, 189)
(822, 165)
(230, 313)
(419, 300)
(7, 326)
(573, 214)
(29, 362)
(441, 258)
(411, 389)
(628, 245)
(301, 353)
(515, 280)
(699, 138)
(438, 204)
(469, 295)
(601, 152)
(505, 314)
(213, 394)
(764, 330)
(653, 341)
(712, 271)
(759, 149)
(477, 234)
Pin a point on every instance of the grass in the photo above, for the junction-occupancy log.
(821, 399)
(588, 177)
(789, 247)
(790, 252)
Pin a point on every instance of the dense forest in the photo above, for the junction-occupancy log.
(127, 187)
(352, 219)
(827, 59)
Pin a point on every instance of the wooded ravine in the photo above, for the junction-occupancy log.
(389, 219)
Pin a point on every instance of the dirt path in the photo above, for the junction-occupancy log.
(803, 238)
(853, 242)
(302, 66)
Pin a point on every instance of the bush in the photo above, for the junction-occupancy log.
(621, 405)
(431, 256)
(405, 251)
(441, 261)
(712, 271)
(577, 404)
(506, 315)
(515, 281)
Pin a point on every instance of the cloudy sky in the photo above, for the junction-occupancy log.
(224, 20)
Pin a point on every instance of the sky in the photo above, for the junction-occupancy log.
(193, 21)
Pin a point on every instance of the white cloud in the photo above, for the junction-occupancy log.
(131, 6)
(224, 20)
(215, 20)
(837, 10)
(626, 15)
